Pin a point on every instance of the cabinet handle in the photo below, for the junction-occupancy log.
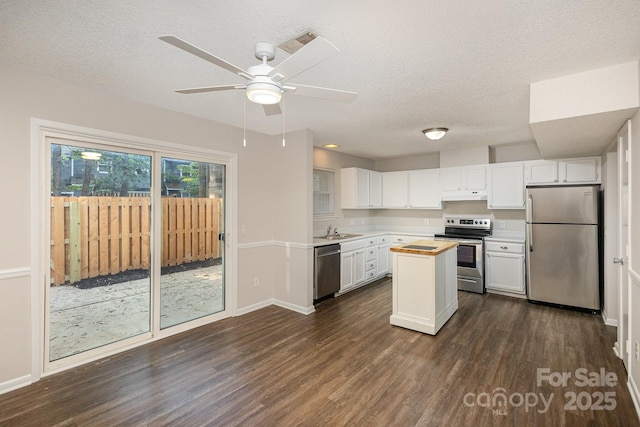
(504, 248)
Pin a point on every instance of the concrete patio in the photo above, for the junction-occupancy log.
(83, 319)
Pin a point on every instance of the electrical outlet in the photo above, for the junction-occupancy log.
(243, 230)
(637, 351)
(256, 282)
(501, 224)
(426, 221)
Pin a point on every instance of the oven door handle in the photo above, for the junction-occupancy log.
(466, 280)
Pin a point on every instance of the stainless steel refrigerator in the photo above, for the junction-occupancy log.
(562, 245)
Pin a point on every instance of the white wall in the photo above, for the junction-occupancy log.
(519, 151)
(464, 157)
(26, 96)
(424, 161)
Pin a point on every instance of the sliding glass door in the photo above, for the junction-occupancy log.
(136, 247)
(99, 289)
(192, 279)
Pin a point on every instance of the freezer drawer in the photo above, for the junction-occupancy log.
(562, 264)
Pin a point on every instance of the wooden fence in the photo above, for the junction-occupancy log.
(97, 236)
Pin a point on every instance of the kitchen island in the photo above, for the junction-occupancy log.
(425, 286)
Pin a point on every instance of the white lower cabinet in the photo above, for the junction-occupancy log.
(352, 269)
(383, 258)
(363, 261)
(505, 267)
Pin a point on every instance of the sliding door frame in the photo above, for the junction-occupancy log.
(41, 130)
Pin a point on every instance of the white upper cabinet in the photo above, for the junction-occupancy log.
(506, 186)
(395, 187)
(424, 189)
(361, 188)
(375, 189)
(585, 170)
(459, 183)
(541, 172)
(580, 170)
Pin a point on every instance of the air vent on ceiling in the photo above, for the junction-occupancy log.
(295, 44)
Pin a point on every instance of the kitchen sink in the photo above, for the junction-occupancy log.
(338, 236)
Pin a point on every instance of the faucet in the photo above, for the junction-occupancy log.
(329, 230)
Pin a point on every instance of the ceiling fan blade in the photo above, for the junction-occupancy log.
(317, 51)
(210, 89)
(322, 93)
(272, 109)
(187, 47)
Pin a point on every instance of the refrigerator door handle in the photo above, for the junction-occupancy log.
(530, 210)
(530, 227)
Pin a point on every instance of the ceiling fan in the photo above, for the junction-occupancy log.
(266, 84)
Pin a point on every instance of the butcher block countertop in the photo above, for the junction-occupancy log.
(425, 247)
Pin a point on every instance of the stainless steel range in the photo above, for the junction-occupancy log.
(470, 234)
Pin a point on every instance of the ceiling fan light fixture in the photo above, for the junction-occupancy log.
(264, 93)
(435, 133)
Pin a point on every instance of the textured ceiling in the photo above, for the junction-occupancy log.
(461, 64)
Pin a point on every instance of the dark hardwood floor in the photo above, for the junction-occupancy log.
(346, 365)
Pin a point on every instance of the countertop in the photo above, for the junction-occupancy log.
(440, 246)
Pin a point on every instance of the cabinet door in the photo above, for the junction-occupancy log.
(362, 188)
(451, 179)
(580, 170)
(394, 189)
(359, 267)
(424, 189)
(505, 272)
(375, 189)
(542, 172)
(506, 186)
(346, 270)
(383, 259)
(475, 178)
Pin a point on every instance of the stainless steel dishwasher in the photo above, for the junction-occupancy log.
(326, 279)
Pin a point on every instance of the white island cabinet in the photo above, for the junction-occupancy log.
(425, 289)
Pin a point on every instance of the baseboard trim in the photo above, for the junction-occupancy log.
(270, 243)
(294, 307)
(254, 307)
(608, 320)
(15, 384)
(635, 394)
(273, 301)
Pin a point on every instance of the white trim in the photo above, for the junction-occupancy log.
(13, 273)
(635, 276)
(609, 321)
(635, 394)
(616, 350)
(15, 384)
(294, 307)
(41, 130)
(273, 301)
(254, 307)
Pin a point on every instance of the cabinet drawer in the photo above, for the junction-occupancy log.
(371, 265)
(352, 246)
(383, 240)
(510, 247)
(371, 241)
(371, 274)
(370, 253)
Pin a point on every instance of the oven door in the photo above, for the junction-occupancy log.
(470, 264)
(470, 258)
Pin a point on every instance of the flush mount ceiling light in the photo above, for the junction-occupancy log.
(90, 155)
(435, 133)
(331, 146)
